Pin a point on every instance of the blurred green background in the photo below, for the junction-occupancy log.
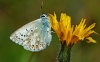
(16, 13)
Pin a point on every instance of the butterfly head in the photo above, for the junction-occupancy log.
(43, 16)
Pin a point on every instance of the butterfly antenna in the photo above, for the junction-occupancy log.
(41, 8)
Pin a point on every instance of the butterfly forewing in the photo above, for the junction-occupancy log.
(34, 36)
(24, 33)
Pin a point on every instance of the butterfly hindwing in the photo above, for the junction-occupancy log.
(36, 39)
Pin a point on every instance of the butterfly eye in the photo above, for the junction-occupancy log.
(43, 16)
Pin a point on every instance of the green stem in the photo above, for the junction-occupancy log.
(64, 54)
(31, 57)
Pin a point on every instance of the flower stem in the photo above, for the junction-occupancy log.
(31, 57)
(64, 54)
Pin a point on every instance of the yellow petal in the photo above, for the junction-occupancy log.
(91, 40)
(91, 26)
(53, 19)
(69, 36)
(54, 23)
(89, 32)
(63, 20)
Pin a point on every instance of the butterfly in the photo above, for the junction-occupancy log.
(34, 36)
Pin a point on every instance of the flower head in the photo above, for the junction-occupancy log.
(68, 33)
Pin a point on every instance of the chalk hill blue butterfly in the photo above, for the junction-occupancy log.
(34, 36)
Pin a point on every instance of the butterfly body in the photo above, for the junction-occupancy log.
(34, 36)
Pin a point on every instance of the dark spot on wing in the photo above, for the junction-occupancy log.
(24, 35)
(35, 27)
(21, 34)
(47, 31)
(16, 36)
(37, 46)
(42, 45)
(22, 39)
(31, 30)
(26, 30)
(32, 46)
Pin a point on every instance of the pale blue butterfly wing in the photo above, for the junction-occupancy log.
(34, 36)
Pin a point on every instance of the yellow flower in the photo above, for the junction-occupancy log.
(68, 33)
